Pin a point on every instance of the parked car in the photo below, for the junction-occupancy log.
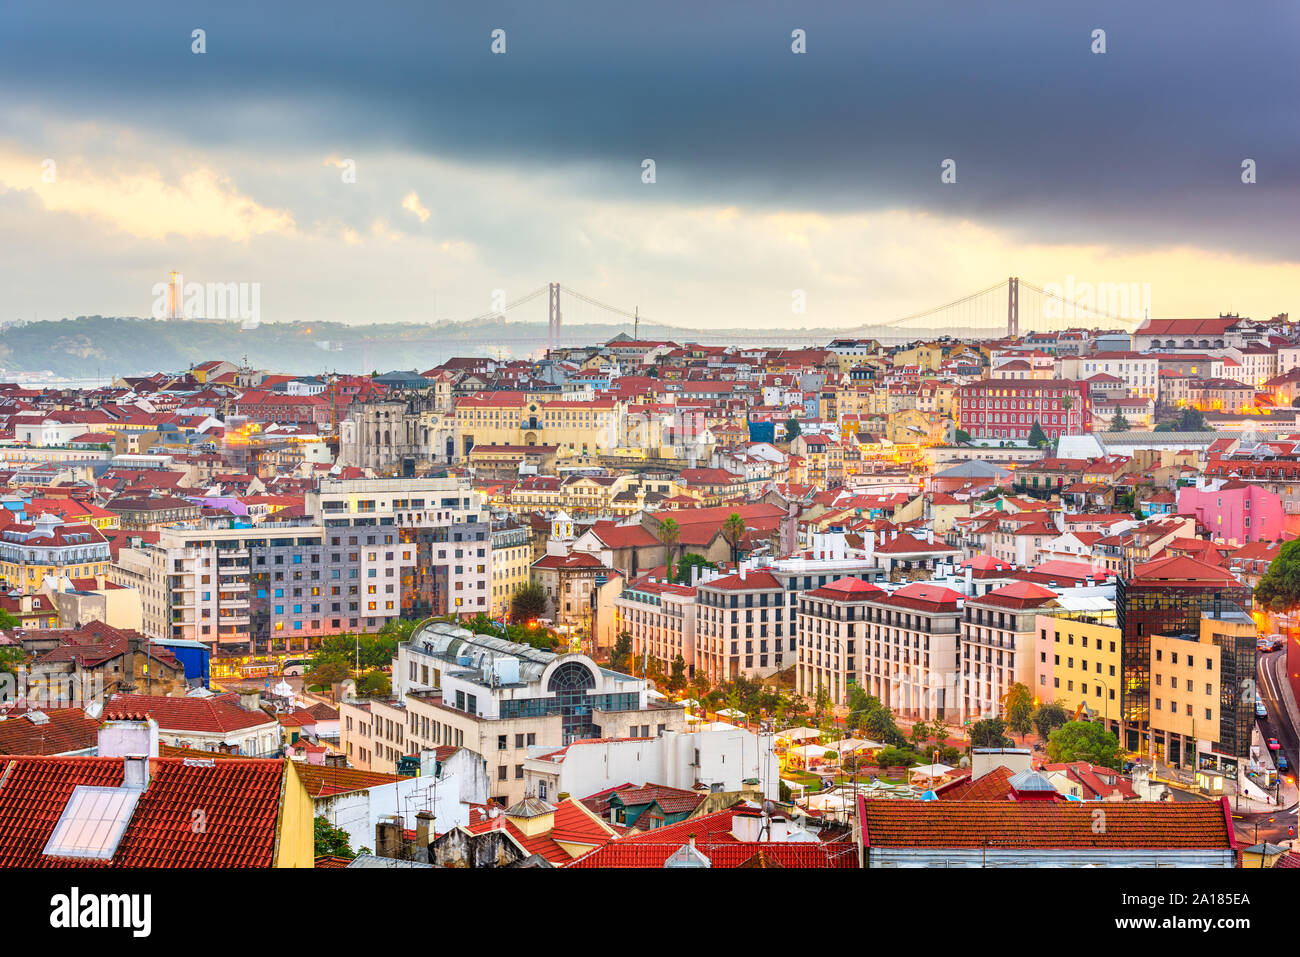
(1273, 744)
(1282, 763)
(1260, 710)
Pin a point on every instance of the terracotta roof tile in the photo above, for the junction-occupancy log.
(240, 800)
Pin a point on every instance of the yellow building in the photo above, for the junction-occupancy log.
(1186, 678)
(914, 427)
(929, 356)
(575, 426)
(1082, 664)
(944, 510)
(50, 546)
(512, 559)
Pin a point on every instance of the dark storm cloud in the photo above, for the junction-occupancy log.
(1141, 144)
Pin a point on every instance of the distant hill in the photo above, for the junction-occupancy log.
(104, 347)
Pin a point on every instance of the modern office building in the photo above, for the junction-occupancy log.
(1170, 597)
(367, 553)
(447, 568)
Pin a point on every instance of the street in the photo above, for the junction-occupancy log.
(1273, 825)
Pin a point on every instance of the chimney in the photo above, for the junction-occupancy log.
(250, 700)
(388, 836)
(135, 772)
(124, 737)
(423, 831)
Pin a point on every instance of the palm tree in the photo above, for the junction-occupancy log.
(733, 530)
(670, 533)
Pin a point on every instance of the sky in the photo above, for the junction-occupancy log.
(379, 162)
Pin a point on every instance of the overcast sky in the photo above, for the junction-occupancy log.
(124, 155)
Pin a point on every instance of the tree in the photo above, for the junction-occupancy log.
(792, 429)
(7, 621)
(367, 651)
(1018, 710)
(1084, 741)
(893, 757)
(399, 628)
(798, 706)
(733, 530)
(331, 841)
(1119, 424)
(1279, 588)
(10, 658)
(963, 437)
(677, 679)
(859, 704)
(686, 563)
(1037, 437)
(821, 702)
(700, 686)
(990, 733)
(528, 602)
(1049, 716)
(669, 534)
(879, 724)
(376, 684)
(1189, 420)
(620, 658)
(327, 669)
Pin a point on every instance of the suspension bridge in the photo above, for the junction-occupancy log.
(1012, 307)
(542, 318)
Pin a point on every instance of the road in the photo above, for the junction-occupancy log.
(1273, 825)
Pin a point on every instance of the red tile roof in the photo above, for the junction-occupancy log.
(713, 839)
(221, 713)
(753, 580)
(240, 800)
(1021, 594)
(1183, 569)
(846, 589)
(572, 824)
(321, 780)
(68, 729)
(1045, 824)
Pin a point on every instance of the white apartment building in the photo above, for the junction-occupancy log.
(728, 759)
(660, 617)
(1140, 372)
(377, 550)
(903, 645)
(997, 647)
(832, 637)
(743, 626)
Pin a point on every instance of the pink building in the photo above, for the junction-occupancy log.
(1233, 511)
